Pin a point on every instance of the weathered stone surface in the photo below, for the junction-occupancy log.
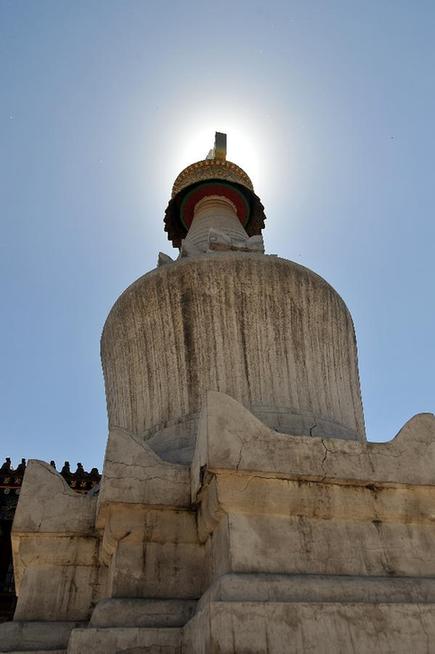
(163, 259)
(270, 333)
(55, 549)
(129, 640)
(231, 438)
(293, 540)
(134, 474)
(19, 636)
(262, 587)
(273, 504)
(51, 591)
(153, 553)
(48, 504)
(312, 536)
(215, 226)
(300, 628)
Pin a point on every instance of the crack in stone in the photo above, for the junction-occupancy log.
(146, 479)
(423, 628)
(174, 467)
(312, 427)
(327, 451)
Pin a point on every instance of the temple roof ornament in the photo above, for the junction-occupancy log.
(11, 479)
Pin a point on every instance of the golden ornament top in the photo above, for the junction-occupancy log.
(211, 169)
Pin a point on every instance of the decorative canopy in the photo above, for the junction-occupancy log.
(212, 176)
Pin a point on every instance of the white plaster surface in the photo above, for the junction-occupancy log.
(268, 332)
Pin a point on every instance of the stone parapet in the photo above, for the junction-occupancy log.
(55, 549)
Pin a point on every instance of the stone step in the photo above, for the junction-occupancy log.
(135, 612)
(319, 628)
(35, 636)
(126, 639)
(263, 587)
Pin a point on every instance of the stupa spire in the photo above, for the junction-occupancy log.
(219, 151)
(215, 177)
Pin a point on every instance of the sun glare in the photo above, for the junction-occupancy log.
(244, 145)
(187, 135)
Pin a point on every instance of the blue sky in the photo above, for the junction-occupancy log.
(328, 105)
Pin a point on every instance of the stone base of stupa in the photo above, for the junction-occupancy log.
(312, 614)
(266, 543)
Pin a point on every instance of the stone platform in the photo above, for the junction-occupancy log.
(267, 543)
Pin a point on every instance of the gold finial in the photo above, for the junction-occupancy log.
(220, 146)
(219, 152)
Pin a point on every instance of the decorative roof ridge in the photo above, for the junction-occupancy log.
(79, 480)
